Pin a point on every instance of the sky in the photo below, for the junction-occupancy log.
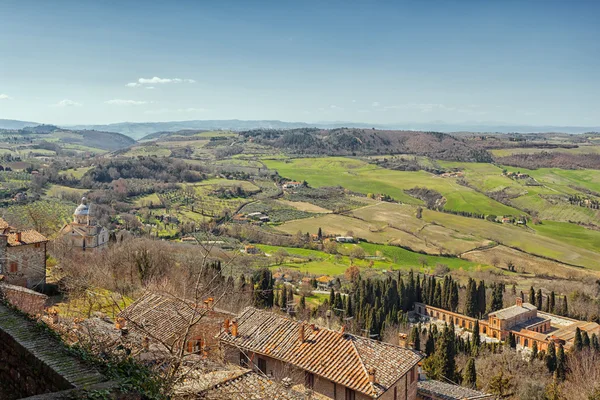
(531, 62)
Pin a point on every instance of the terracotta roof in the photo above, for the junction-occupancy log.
(339, 357)
(235, 384)
(513, 311)
(568, 333)
(4, 224)
(447, 391)
(27, 237)
(324, 279)
(165, 317)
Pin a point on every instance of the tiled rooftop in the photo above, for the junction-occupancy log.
(27, 237)
(339, 357)
(164, 317)
(447, 391)
(513, 311)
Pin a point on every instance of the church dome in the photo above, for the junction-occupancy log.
(83, 208)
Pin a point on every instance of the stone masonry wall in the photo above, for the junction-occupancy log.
(23, 374)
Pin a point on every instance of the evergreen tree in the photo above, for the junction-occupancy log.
(441, 365)
(539, 299)
(512, 340)
(302, 303)
(263, 292)
(565, 307)
(551, 357)
(283, 301)
(470, 375)
(348, 312)
(471, 306)
(499, 385)
(454, 297)
(415, 338)
(497, 297)
(585, 340)
(320, 234)
(534, 351)
(437, 297)
(332, 298)
(531, 295)
(481, 298)
(552, 300)
(561, 367)
(595, 343)
(430, 343)
(475, 338)
(578, 342)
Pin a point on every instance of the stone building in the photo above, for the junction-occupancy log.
(22, 256)
(436, 390)
(164, 319)
(523, 320)
(331, 363)
(84, 232)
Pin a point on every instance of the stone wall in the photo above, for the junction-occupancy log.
(26, 300)
(31, 265)
(23, 374)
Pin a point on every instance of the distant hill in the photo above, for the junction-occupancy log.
(55, 136)
(15, 124)
(353, 141)
(160, 135)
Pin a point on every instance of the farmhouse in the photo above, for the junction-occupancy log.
(84, 232)
(332, 363)
(344, 239)
(523, 320)
(22, 256)
(292, 185)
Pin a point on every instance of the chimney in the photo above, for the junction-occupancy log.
(210, 303)
(372, 375)
(234, 328)
(226, 325)
(18, 236)
(120, 323)
(519, 302)
(403, 340)
(301, 333)
(124, 331)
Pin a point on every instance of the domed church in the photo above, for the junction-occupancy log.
(84, 232)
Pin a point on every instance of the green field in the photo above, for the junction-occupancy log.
(361, 177)
(584, 149)
(391, 258)
(76, 172)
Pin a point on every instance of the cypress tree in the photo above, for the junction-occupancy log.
(497, 298)
(419, 291)
(302, 303)
(454, 298)
(331, 298)
(481, 298)
(561, 368)
(263, 292)
(348, 312)
(534, 351)
(430, 343)
(552, 301)
(471, 306)
(595, 343)
(320, 234)
(539, 299)
(531, 295)
(415, 338)
(585, 340)
(551, 357)
(470, 375)
(578, 342)
(475, 338)
(437, 298)
(283, 299)
(565, 307)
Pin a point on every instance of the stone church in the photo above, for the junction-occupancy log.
(84, 232)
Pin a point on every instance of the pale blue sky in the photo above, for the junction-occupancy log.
(525, 62)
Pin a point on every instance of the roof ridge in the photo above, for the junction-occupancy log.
(364, 367)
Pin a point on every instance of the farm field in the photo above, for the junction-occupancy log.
(75, 172)
(388, 258)
(60, 191)
(361, 177)
(583, 149)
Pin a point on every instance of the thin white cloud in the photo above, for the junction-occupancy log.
(67, 103)
(158, 81)
(150, 87)
(5, 97)
(375, 104)
(334, 107)
(121, 102)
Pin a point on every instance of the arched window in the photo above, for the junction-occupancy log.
(526, 343)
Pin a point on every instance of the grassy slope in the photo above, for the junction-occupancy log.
(364, 178)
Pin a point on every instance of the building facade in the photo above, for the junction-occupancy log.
(523, 320)
(84, 232)
(333, 364)
(22, 256)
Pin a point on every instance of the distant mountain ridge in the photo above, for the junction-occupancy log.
(137, 130)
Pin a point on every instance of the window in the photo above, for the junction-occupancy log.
(262, 365)
(395, 393)
(309, 380)
(243, 359)
(350, 394)
(334, 390)
(13, 267)
(413, 373)
(37, 245)
(194, 346)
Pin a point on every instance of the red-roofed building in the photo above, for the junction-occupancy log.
(22, 256)
(334, 364)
